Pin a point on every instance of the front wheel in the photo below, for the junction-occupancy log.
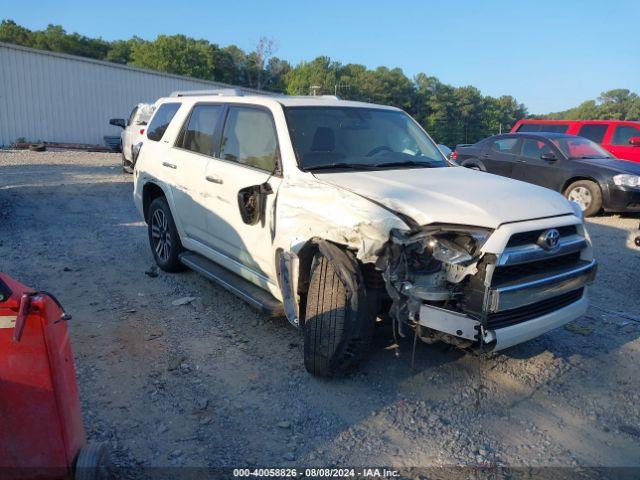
(338, 321)
(163, 236)
(587, 194)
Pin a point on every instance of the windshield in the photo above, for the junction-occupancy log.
(359, 138)
(577, 147)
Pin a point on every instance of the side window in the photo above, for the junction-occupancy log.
(595, 133)
(505, 145)
(623, 133)
(250, 138)
(530, 127)
(198, 133)
(534, 148)
(132, 116)
(161, 120)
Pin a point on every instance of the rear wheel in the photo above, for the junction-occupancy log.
(587, 194)
(338, 322)
(163, 236)
(127, 166)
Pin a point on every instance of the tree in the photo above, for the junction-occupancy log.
(175, 54)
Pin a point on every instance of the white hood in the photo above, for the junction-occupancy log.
(452, 195)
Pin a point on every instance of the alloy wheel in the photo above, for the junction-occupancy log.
(160, 235)
(582, 196)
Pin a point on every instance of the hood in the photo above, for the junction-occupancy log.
(452, 195)
(612, 165)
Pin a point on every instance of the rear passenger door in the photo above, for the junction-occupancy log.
(248, 156)
(501, 155)
(193, 150)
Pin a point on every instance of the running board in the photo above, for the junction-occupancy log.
(247, 291)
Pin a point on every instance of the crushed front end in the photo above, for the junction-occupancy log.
(487, 289)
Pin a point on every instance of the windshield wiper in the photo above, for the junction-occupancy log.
(406, 163)
(352, 166)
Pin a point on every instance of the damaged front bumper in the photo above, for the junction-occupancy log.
(488, 301)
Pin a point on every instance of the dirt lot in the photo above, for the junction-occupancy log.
(213, 383)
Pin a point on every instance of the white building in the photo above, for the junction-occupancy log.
(55, 97)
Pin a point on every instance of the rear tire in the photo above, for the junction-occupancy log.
(127, 167)
(587, 194)
(338, 322)
(163, 236)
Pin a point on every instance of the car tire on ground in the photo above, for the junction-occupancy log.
(338, 323)
(127, 167)
(587, 194)
(163, 236)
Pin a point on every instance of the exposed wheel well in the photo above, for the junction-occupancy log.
(150, 192)
(577, 179)
(473, 162)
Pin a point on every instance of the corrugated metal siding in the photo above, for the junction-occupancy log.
(62, 98)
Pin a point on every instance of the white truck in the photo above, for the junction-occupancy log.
(338, 214)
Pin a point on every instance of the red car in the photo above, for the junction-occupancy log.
(619, 137)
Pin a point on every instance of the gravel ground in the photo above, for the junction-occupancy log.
(212, 383)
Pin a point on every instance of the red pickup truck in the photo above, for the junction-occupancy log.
(620, 137)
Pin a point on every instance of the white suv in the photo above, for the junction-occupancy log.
(132, 133)
(337, 213)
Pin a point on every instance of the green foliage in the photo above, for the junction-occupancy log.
(618, 104)
(450, 114)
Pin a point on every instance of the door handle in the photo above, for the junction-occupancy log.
(169, 165)
(213, 179)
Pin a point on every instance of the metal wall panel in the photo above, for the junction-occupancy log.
(56, 97)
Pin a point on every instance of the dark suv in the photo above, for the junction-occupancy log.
(577, 167)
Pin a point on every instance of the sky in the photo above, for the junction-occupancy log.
(549, 54)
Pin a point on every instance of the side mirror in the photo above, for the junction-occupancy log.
(549, 157)
(252, 201)
(117, 122)
(635, 141)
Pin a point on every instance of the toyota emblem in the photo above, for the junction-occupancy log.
(549, 239)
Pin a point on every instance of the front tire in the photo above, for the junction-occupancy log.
(163, 236)
(338, 322)
(587, 194)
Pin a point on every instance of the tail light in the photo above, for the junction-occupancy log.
(454, 155)
(142, 131)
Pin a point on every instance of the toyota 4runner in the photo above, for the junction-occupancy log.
(337, 214)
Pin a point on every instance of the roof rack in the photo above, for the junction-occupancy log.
(215, 91)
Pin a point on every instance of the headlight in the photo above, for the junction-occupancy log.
(457, 247)
(626, 180)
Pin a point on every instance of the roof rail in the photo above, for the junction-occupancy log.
(215, 91)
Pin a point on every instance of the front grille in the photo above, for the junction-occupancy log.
(529, 312)
(507, 274)
(525, 238)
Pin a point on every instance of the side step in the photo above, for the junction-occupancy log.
(250, 293)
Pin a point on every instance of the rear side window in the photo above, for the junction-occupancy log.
(595, 133)
(161, 120)
(198, 133)
(543, 127)
(250, 138)
(623, 133)
(505, 145)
